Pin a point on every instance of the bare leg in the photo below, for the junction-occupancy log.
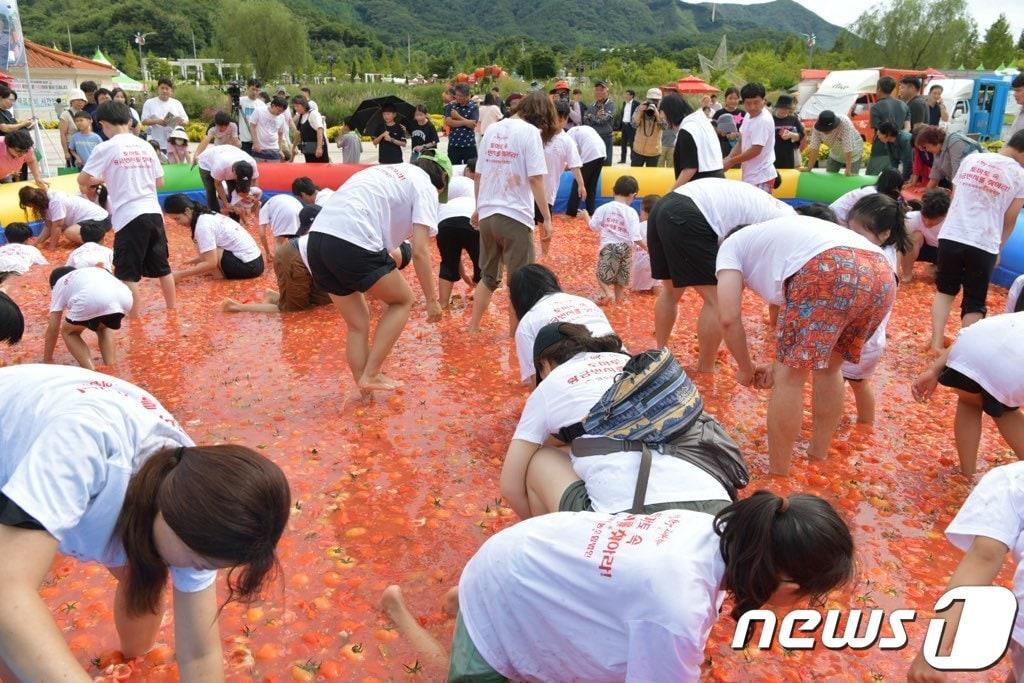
(72, 335)
(606, 292)
(665, 312)
(967, 431)
(451, 601)
(481, 300)
(785, 408)
(549, 474)
(620, 294)
(167, 285)
(908, 259)
(357, 321)
(232, 306)
(709, 332)
(108, 344)
(394, 292)
(864, 395)
(970, 319)
(444, 291)
(1011, 426)
(941, 306)
(393, 605)
(513, 321)
(73, 234)
(773, 316)
(826, 407)
(136, 299)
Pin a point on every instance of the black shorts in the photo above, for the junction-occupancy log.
(961, 265)
(455, 235)
(989, 403)
(537, 218)
(343, 268)
(140, 249)
(11, 514)
(928, 254)
(111, 321)
(682, 244)
(236, 269)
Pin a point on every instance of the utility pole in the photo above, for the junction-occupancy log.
(71, 48)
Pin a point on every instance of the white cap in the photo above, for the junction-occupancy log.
(76, 94)
(178, 133)
(654, 94)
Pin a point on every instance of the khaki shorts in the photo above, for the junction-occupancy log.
(503, 242)
(467, 665)
(295, 282)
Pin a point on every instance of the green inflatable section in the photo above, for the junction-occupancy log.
(828, 187)
(181, 178)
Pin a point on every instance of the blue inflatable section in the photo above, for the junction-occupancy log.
(1011, 260)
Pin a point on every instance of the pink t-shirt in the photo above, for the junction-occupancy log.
(9, 164)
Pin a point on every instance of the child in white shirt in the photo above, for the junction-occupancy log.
(85, 299)
(641, 275)
(17, 257)
(619, 226)
(92, 252)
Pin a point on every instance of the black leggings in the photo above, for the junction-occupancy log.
(453, 236)
(591, 172)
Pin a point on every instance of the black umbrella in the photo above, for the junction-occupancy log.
(368, 117)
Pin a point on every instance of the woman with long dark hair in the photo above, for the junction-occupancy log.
(590, 596)
(95, 468)
(222, 245)
(62, 214)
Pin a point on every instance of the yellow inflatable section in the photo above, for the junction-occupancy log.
(11, 211)
(659, 181)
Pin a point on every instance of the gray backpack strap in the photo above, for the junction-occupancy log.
(640, 494)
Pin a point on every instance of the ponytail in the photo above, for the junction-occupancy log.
(766, 538)
(878, 213)
(177, 204)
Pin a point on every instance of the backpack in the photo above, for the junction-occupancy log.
(654, 403)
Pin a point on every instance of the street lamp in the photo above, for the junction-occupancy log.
(140, 40)
(811, 41)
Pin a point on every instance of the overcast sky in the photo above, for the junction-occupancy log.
(846, 12)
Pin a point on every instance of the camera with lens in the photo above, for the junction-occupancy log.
(234, 91)
(650, 108)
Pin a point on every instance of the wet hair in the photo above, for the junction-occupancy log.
(818, 210)
(35, 198)
(227, 503)
(57, 273)
(935, 202)
(17, 233)
(278, 101)
(751, 90)
(114, 113)
(304, 185)
(886, 84)
(888, 129)
(438, 178)
(165, 81)
(19, 139)
(911, 80)
(301, 100)
(648, 202)
(931, 135)
(1017, 141)
(625, 185)
(92, 231)
(675, 108)
(766, 538)
(243, 176)
(890, 182)
(82, 115)
(530, 284)
(576, 339)
(12, 322)
(178, 203)
(221, 118)
(879, 212)
(538, 109)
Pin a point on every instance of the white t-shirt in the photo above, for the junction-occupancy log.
(994, 510)
(915, 223)
(314, 119)
(560, 155)
(91, 254)
(130, 168)
(986, 184)
(1012, 296)
(248, 107)
(216, 231)
(768, 253)
(157, 108)
(19, 258)
(72, 209)
(88, 293)
(991, 353)
(565, 397)
(246, 201)
(281, 213)
(588, 596)
(617, 223)
(558, 307)
(842, 206)
(461, 200)
(266, 129)
(511, 152)
(218, 161)
(322, 196)
(71, 439)
(728, 204)
(759, 130)
(379, 207)
(589, 142)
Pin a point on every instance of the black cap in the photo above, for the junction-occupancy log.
(306, 217)
(784, 101)
(547, 336)
(600, 83)
(826, 121)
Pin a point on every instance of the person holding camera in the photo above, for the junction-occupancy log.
(601, 117)
(648, 127)
(244, 106)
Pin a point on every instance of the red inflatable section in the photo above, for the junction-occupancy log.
(278, 177)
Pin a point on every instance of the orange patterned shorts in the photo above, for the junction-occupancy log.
(833, 305)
